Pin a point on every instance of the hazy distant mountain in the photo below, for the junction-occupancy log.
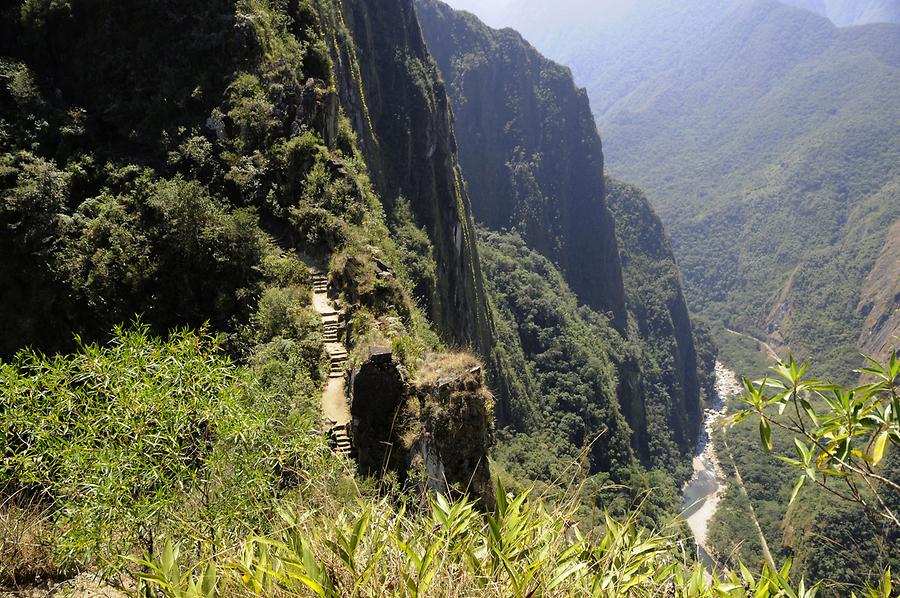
(769, 140)
(853, 12)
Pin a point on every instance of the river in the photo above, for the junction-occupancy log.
(701, 494)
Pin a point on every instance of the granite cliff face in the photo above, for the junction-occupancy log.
(529, 150)
(393, 94)
(533, 160)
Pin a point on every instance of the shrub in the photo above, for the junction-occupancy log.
(125, 441)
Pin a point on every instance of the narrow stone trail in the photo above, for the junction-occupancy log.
(335, 410)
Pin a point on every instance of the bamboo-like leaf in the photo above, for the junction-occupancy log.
(208, 583)
(765, 433)
(878, 447)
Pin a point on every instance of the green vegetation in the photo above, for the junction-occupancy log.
(521, 549)
(838, 518)
(121, 444)
(188, 186)
(675, 378)
(168, 450)
(847, 442)
(768, 141)
(564, 423)
(743, 353)
(193, 178)
(567, 397)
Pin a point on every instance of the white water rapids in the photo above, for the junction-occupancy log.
(703, 491)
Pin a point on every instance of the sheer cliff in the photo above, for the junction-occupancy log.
(533, 160)
(765, 135)
(394, 96)
(529, 150)
(237, 127)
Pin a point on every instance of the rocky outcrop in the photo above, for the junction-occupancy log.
(457, 427)
(436, 425)
(392, 92)
(529, 149)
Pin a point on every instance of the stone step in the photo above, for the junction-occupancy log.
(341, 440)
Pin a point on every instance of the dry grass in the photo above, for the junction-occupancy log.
(25, 543)
(446, 367)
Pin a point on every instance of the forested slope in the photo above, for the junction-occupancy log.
(727, 111)
(174, 178)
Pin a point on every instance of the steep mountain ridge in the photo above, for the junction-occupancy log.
(399, 108)
(530, 152)
(724, 111)
(142, 98)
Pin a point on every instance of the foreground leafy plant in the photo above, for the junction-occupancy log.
(124, 442)
(450, 549)
(841, 435)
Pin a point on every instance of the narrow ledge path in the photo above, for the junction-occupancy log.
(335, 410)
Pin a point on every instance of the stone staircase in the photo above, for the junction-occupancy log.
(338, 431)
(341, 439)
